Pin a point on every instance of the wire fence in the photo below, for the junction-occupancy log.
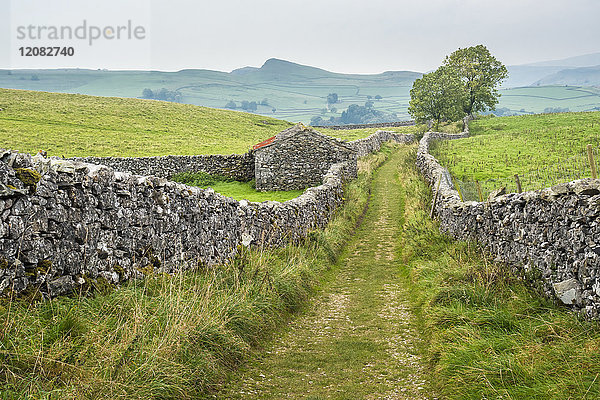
(575, 167)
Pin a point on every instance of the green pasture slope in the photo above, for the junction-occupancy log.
(548, 145)
(78, 125)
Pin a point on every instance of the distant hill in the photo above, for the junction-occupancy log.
(587, 76)
(554, 72)
(279, 88)
(296, 92)
(526, 75)
(586, 60)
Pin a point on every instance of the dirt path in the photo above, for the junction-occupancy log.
(359, 340)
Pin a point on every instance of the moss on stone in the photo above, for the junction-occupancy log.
(102, 285)
(31, 294)
(120, 271)
(43, 266)
(98, 285)
(147, 270)
(3, 263)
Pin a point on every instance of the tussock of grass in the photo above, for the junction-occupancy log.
(167, 336)
(488, 335)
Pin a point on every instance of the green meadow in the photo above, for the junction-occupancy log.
(76, 125)
(542, 149)
(534, 99)
(296, 92)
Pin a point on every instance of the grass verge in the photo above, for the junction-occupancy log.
(168, 336)
(488, 336)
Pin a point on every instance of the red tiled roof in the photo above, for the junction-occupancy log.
(264, 143)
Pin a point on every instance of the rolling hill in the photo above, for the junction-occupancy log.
(584, 76)
(295, 92)
(286, 90)
(586, 60)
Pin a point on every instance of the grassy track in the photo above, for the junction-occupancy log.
(480, 332)
(359, 340)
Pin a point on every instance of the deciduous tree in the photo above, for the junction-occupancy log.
(437, 96)
(480, 73)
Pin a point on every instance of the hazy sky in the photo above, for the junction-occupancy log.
(367, 36)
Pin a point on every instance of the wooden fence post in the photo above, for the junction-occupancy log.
(435, 197)
(479, 190)
(591, 161)
(519, 189)
(457, 188)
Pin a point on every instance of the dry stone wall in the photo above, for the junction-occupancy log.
(66, 225)
(236, 166)
(551, 237)
(374, 142)
(367, 126)
(81, 223)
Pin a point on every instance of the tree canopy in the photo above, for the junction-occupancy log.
(437, 96)
(332, 98)
(466, 83)
(480, 73)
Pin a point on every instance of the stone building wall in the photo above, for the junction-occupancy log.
(551, 236)
(299, 158)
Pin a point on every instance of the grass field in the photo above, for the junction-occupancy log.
(541, 149)
(534, 99)
(77, 125)
(230, 188)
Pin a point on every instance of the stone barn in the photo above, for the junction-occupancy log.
(297, 158)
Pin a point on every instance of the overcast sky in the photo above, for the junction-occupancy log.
(369, 36)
